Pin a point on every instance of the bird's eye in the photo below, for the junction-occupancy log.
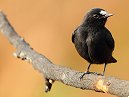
(95, 16)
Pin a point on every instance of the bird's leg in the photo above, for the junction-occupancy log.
(86, 72)
(104, 68)
(88, 68)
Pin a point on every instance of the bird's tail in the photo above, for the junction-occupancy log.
(112, 60)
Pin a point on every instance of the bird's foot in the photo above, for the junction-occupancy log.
(81, 77)
(101, 74)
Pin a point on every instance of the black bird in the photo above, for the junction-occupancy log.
(93, 41)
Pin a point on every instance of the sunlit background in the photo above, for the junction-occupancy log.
(47, 25)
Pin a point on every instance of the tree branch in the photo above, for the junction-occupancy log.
(53, 72)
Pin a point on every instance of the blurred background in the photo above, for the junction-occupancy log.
(48, 25)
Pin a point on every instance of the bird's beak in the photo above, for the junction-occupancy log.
(108, 15)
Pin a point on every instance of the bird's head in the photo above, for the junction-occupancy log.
(96, 16)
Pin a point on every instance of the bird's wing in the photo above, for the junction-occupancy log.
(88, 43)
(110, 41)
(73, 35)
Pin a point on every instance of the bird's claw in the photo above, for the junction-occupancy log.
(81, 77)
(101, 74)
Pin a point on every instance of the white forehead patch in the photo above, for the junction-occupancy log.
(102, 12)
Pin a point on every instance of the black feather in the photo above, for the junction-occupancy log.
(92, 40)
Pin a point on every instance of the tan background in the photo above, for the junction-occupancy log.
(47, 25)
